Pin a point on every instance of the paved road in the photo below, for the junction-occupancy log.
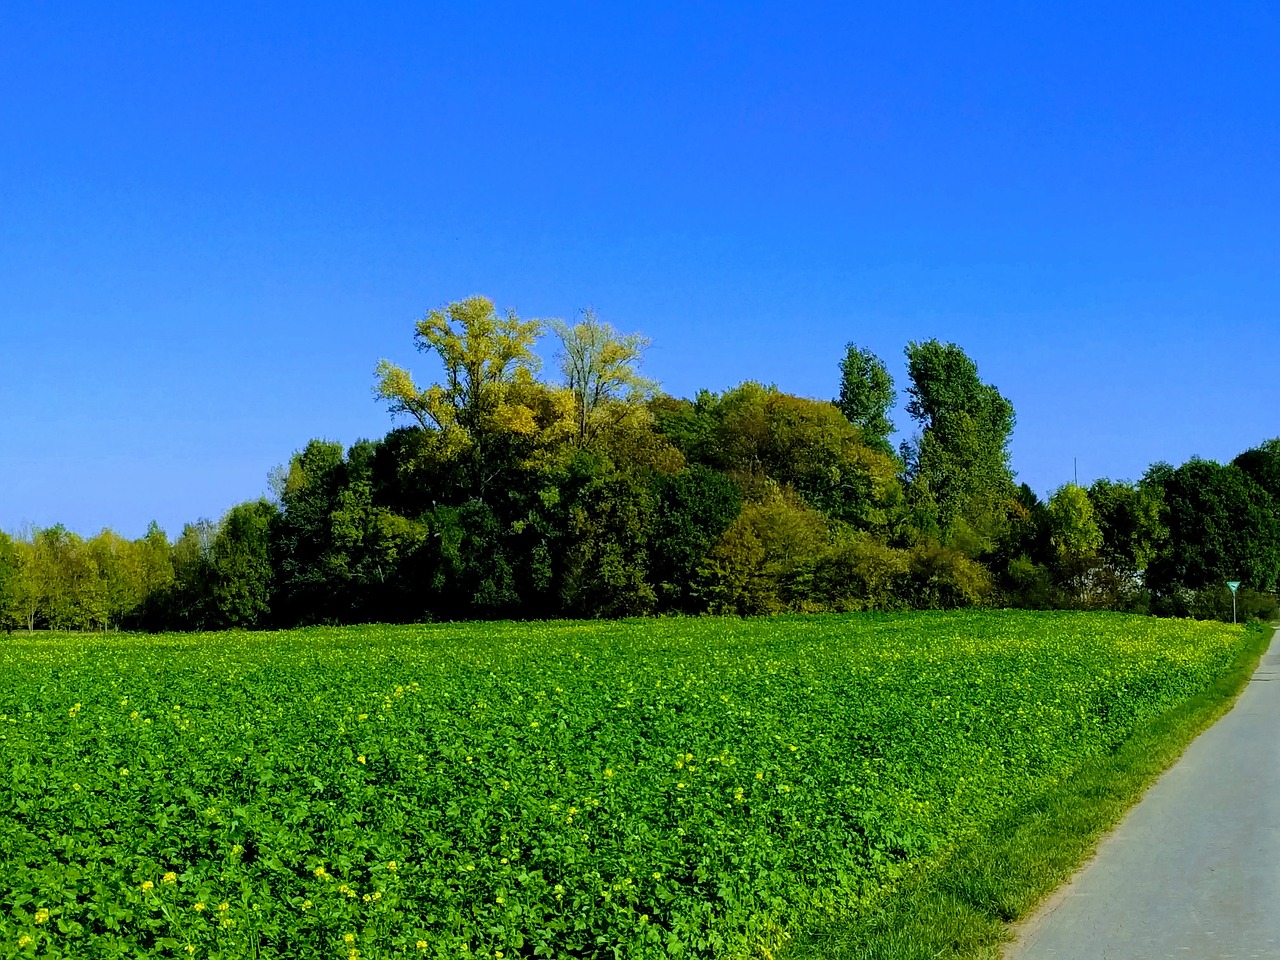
(1193, 871)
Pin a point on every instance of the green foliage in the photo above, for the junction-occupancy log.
(867, 395)
(1262, 464)
(1222, 526)
(601, 369)
(941, 577)
(472, 574)
(242, 569)
(962, 453)
(10, 584)
(697, 788)
(1129, 517)
(487, 396)
(764, 562)
(861, 573)
(604, 549)
(1073, 534)
(765, 438)
(694, 508)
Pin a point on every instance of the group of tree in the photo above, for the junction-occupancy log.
(594, 494)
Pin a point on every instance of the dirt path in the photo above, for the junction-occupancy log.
(1193, 871)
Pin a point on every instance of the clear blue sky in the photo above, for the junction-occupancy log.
(216, 218)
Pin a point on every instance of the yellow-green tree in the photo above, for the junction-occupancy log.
(1073, 533)
(601, 369)
(488, 392)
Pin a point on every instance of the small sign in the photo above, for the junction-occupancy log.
(1233, 584)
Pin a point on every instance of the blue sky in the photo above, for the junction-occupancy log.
(215, 219)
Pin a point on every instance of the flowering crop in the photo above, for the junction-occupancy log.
(639, 789)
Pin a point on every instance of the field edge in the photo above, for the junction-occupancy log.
(967, 910)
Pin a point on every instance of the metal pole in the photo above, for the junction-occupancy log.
(1233, 606)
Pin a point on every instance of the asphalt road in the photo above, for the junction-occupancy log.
(1193, 871)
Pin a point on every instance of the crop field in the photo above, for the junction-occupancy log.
(683, 788)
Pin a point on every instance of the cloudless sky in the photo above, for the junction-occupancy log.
(216, 218)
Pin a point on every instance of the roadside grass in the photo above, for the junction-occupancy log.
(963, 910)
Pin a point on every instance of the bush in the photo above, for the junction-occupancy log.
(861, 574)
(942, 578)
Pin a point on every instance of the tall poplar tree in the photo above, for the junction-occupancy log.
(866, 396)
(961, 456)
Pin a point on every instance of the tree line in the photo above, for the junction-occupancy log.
(594, 494)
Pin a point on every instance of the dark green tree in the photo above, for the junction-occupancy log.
(867, 396)
(962, 452)
(694, 509)
(243, 576)
(1262, 464)
(10, 585)
(1222, 526)
(309, 494)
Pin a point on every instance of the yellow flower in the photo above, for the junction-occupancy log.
(360, 759)
(42, 915)
(320, 872)
(608, 772)
(353, 954)
(223, 907)
(500, 900)
(170, 877)
(307, 904)
(124, 771)
(147, 885)
(392, 866)
(377, 895)
(366, 898)
(499, 954)
(349, 939)
(190, 948)
(422, 945)
(24, 940)
(199, 907)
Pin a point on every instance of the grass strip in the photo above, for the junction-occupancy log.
(963, 910)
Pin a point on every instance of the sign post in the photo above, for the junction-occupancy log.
(1234, 585)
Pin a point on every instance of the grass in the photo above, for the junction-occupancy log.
(964, 910)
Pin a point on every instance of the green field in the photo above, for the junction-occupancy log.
(640, 789)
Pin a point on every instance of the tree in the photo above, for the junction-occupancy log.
(763, 437)
(242, 572)
(866, 396)
(962, 453)
(1262, 464)
(309, 494)
(65, 578)
(1129, 517)
(765, 561)
(604, 558)
(10, 584)
(25, 598)
(120, 588)
(1222, 526)
(1073, 533)
(486, 358)
(601, 369)
(694, 509)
